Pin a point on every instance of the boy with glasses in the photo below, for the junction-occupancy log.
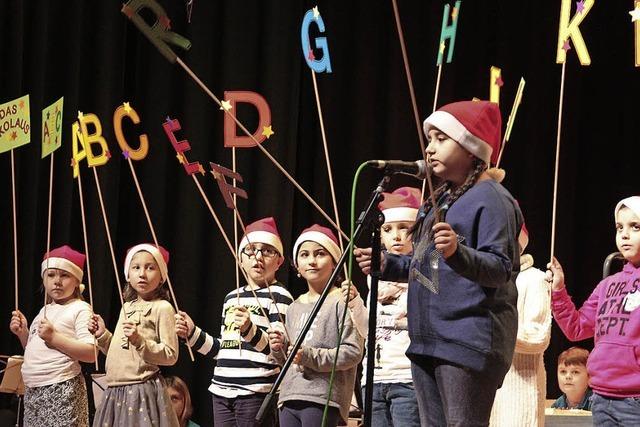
(244, 373)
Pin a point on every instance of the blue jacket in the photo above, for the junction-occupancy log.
(470, 317)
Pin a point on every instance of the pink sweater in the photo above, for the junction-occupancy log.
(612, 316)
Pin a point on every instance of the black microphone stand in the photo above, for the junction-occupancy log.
(370, 214)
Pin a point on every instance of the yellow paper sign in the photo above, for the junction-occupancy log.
(52, 127)
(15, 124)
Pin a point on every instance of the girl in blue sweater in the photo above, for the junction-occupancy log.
(462, 294)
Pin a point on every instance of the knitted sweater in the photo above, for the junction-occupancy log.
(309, 380)
(520, 402)
(131, 363)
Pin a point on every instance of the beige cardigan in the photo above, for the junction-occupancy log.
(520, 400)
(131, 363)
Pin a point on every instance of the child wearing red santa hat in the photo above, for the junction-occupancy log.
(462, 294)
(244, 372)
(144, 339)
(55, 392)
(305, 388)
(394, 399)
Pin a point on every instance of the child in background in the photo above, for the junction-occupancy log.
(305, 388)
(144, 338)
(55, 391)
(521, 399)
(612, 317)
(394, 398)
(242, 378)
(573, 380)
(181, 400)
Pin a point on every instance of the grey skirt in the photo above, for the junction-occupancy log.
(136, 405)
(57, 405)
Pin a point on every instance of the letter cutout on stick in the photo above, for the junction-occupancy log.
(571, 30)
(231, 138)
(448, 31)
(170, 127)
(226, 189)
(324, 63)
(82, 137)
(125, 110)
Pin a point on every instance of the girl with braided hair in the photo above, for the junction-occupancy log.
(462, 295)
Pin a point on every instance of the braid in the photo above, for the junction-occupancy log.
(478, 167)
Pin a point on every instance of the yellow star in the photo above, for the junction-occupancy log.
(201, 170)
(635, 14)
(267, 131)
(442, 46)
(226, 105)
(180, 158)
(454, 13)
(316, 13)
(127, 107)
(216, 175)
(80, 115)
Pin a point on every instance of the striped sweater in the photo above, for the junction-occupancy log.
(250, 370)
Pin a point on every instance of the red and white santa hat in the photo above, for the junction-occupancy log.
(159, 254)
(322, 236)
(632, 203)
(64, 258)
(401, 205)
(262, 231)
(475, 125)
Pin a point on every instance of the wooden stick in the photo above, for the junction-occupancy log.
(435, 96)
(235, 237)
(15, 227)
(155, 240)
(557, 166)
(51, 163)
(512, 118)
(328, 161)
(264, 150)
(414, 104)
(86, 250)
(106, 229)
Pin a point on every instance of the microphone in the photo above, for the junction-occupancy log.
(417, 169)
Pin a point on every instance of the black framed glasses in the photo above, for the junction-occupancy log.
(265, 251)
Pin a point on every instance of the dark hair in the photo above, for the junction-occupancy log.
(479, 166)
(573, 356)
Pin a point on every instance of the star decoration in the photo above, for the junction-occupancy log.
(125, 154)
(216, 175)
(499, 81)
(165, 22)
(127, 107)
(566, 46)
(180, 158)
(169, 120)
(108, 154)
(311, 56)
(442, 46)
(201, 170)
(580, 6)
(635, 14)
(316, 13)
(73, 162)
(21, 104)
(454, 14)
(267, 131)
(14, 135)
(226, 105)
(80, 115)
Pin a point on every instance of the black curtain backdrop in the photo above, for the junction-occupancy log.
(88, 52)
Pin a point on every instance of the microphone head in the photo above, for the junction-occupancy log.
(423, 169)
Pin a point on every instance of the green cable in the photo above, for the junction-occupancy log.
(346, 303)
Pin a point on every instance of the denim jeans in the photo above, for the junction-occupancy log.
(240, 411)
(615, 412)
(452, 395)
(394, 404)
